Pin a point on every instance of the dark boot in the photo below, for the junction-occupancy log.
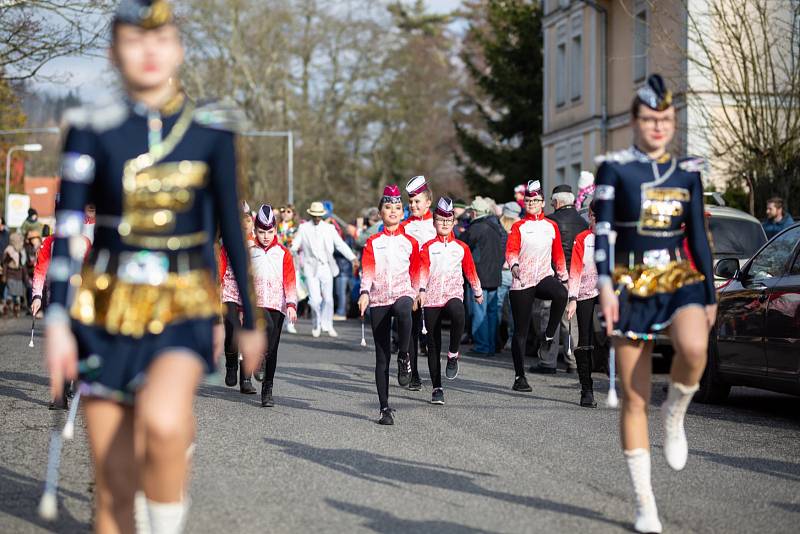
(583, 359)
(231, 369)
(245, 385)
(266, 396)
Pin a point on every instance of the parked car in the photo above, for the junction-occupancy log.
(756, 339)
(734, 234)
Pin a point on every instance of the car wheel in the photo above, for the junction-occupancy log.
(713, 389)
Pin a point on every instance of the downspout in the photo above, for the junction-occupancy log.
(603, 72)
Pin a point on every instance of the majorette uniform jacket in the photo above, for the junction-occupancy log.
(445, 262)
(535, 245)
(390, 267)
(582, 270)
(420, 228)
(273, 276)
(43, 263)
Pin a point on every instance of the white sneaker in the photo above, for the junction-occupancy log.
(332, 332)
(647, 518)
(291, 329)
(676, 448)
(316, 331)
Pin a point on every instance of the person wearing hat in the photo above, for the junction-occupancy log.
(316, 240)
(418, 225)
(486, 240)
(649, 204)
(31, 224)
(445, 262)
(570, 224)
(511, 214)
(534, 247)
(163, 167)
(389, 287)
(519, 196)
(276, 293)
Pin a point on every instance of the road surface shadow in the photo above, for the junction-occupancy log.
(9, 389)
(765, 466)
(20, 498)
(386, 523)
(396, 472)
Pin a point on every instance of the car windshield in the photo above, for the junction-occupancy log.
(735, 238)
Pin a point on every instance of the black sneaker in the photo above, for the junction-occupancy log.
(538, 369)
(438, 396)
(545, 347)
(386, 417)
(451, 371)
(521, 384)
(261, 371)
(403, 369)
(266, 397)
(415, 384)
(587, 399)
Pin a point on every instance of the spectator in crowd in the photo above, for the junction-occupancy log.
(777, 218)
(570, 224)
(15, 273)
(287, 227)
(4, 236)
(511, 214)
(487, 242)
(31, 224)
(316, 241)
(463, 218)
(343, 280)
(519, 196)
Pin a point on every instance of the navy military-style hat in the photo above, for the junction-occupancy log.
(147, 14)
(265, 218)
(654, 93)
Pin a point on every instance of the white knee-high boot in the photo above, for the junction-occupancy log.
(167, 518)
(676, 448)
(646, 511)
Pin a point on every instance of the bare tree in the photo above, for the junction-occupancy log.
(744, 60)
(33, 32)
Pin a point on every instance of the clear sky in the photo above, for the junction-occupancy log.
(91, 77)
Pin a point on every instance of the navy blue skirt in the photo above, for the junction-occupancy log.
(644, 317)
(113, 366)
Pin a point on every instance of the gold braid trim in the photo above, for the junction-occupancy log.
(138, 309)
(643, 281)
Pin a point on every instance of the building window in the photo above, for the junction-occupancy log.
(561, 74)
(561, 175)
(574, 174)
(640, 39)
(576, 76)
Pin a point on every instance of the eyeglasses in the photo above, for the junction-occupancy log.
(538, 200)
(651, 122)
(444, 222)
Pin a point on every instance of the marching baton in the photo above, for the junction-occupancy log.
(33, 325)
(363, 341)
(69, 426)
(48, 505)
(612, 401)
(424, 330)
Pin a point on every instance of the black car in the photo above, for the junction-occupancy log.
(756, 339)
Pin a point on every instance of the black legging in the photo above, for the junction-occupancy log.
(416, 338)
(381, 318)
(522, 308)
(274, 321)
(583, 352)
(454, 308)
(231, 322)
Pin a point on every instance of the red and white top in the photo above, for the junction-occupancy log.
(583, 270)
(420, 228)
(535, 245)
(43, 263)
(230, 290)
(445, 261)
(273, 276)
(390, 267)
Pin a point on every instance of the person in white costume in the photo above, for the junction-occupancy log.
(316, 240)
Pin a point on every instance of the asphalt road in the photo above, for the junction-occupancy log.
(490, 460)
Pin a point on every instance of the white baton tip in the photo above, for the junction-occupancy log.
(30, 344)
(612, 401)
(48, 507)
(363, 342)
(69, 431)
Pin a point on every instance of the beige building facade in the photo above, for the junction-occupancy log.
(597, 53)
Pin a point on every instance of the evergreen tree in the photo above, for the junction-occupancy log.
(499, 123)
